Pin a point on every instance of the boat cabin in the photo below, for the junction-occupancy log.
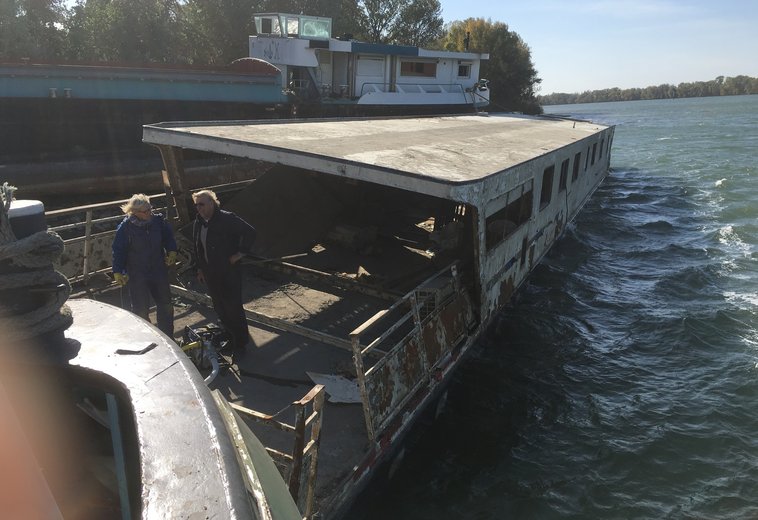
(342, 72)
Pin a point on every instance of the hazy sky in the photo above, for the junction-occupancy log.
(580, 45)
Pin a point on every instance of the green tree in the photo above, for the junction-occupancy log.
(32, 29)
(720, 86)
(404, 22)
(377, 19)
(134, 31)
(219, 29)
(513, 78)
(420, 23)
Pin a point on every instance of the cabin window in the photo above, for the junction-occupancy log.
(547, 186)
(594, 151)
(587, 159)
(577, 161)
(517, 211)
(267, 26)
(602, 143)
(424, 69)
(464, 70)
(564, 175)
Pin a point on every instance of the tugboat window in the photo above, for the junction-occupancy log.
(547, 186)
(464, 70)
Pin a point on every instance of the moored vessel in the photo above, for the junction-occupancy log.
(386, 248)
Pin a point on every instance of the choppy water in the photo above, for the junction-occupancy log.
(624, 384)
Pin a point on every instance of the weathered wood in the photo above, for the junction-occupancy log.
(276, 323)
(173, 159)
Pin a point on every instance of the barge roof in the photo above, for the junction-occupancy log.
(431, 155)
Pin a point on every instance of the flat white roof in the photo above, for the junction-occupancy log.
(424, 154)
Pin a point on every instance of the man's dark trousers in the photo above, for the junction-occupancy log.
(225, 289)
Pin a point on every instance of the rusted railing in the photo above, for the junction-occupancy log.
(87, 233)
(300, 466)
(415, 333)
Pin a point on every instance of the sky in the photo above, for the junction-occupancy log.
(579, 45)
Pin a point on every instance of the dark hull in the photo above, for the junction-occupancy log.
(34, 130)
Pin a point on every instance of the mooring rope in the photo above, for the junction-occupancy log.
(33, 258)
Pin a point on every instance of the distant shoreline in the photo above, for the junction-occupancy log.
(720, 86)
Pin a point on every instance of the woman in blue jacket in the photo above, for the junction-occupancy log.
(143, 249)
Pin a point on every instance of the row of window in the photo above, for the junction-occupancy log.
(518, 209)
(546, 194)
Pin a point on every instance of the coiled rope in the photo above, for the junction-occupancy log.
(33, 258)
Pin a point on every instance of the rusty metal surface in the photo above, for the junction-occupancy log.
(71, 262)
(411, 364)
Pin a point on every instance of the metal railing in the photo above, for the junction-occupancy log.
(88, 232)
(415, 333)
(412, 88)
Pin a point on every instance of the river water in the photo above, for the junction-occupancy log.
(624, 382)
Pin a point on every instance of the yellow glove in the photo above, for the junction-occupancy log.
(121, 279)
(171, 259)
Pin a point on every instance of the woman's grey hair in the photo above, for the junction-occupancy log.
(206, 193)
(138, 202)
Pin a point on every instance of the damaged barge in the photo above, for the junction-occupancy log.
(386, 247)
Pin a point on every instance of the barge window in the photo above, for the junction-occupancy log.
(587, 159)
(418, 68)
(564, 175)
(547, 186)
(594, 150)
(602, 143)
(577, 160)
(464, 70)
(502, 224)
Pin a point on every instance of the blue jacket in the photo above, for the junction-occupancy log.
(227, 235)
(139, 248)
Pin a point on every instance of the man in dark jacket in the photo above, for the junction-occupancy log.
(220, 238)
(143, 249)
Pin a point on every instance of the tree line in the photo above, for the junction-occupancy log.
(215, 32)
(720, 86)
